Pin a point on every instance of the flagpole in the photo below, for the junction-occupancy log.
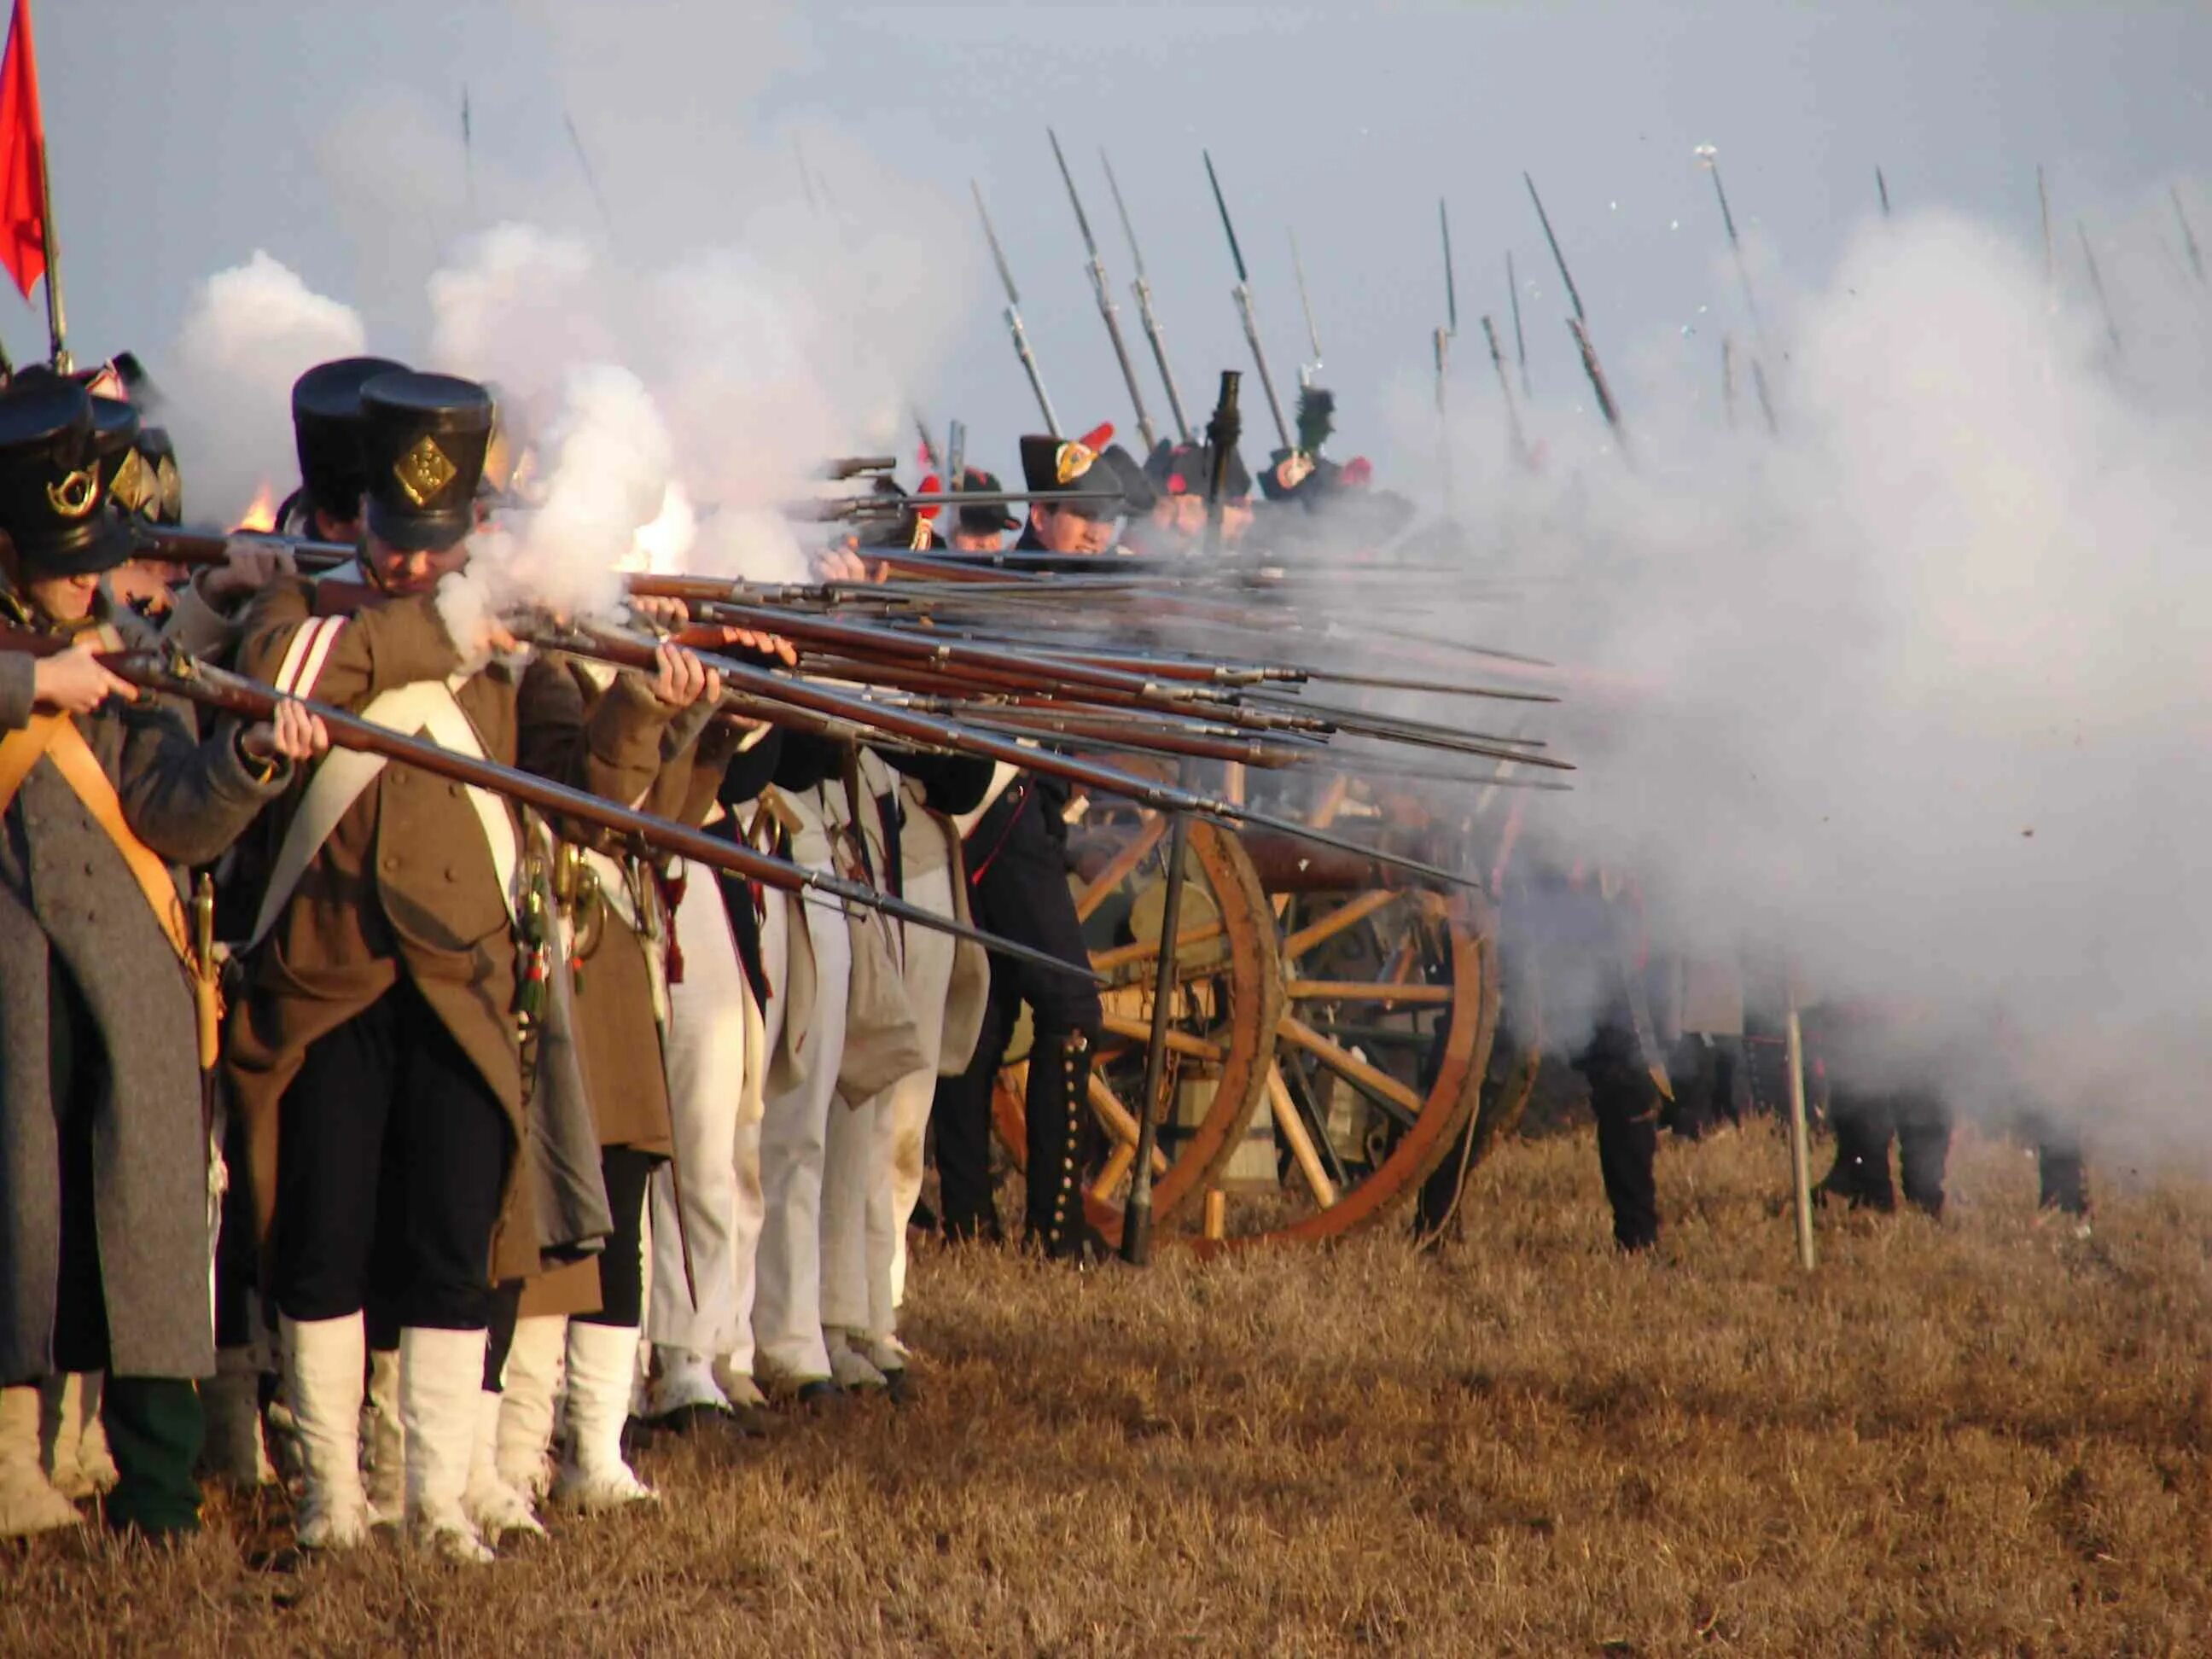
(57, 329)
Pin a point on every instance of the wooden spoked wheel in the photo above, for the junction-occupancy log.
(1391, 1009)
(1228, 996)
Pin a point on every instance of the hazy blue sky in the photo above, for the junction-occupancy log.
(186, 136)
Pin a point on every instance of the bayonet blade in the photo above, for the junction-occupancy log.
(1136, 254)
(1451, 283)
(998, 253)
(1558, 258)
(1298, 269)
(1082, 220)
(1236, 252)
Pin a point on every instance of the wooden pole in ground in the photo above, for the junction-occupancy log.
(1801, 1163)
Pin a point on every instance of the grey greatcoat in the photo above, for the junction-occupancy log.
(67, 899)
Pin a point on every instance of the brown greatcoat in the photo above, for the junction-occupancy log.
(405, 882)
(617, 1021)
(616, 1024)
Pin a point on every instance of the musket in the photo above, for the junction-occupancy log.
(1578, 326)
(1142, 288)
(1021, 336)
(1711, 163)
(174, 673)
(842, 468)
(1593, 369)
(928, 444)
(1505, 386)
(891, 507)
(2097, 284)
(1520, 342)
(1097, 268)
(625, 650)
(1558, 258)
(1307, 371)
(181, 546)
(2188, 234)
(1243, 294)
(1440, 344)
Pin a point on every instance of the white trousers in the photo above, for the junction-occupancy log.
(794, 1152)
(902, 1121)
(717, 1139)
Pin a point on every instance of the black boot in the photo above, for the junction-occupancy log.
(1058, 1107)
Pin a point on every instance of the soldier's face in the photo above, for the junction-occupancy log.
(1236, 519)
(65, 598)
(977, 540)
(404, 573)
(1064, 530)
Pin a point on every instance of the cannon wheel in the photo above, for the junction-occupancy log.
(1390, 1010)
(1227, 998)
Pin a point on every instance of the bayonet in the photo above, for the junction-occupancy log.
(1451, 282)
(1520, 341)
(1882, 189)
(1506, 386)
(2188, 235)
(1558, 258)
(1306, 371)
(1097, 268)
(1142, 288)
(1013, 314)
(1243, 294)
(2097, 284)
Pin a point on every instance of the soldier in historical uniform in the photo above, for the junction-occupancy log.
(981, 529)
(106, 1011)
(616, 925)
(1015, 848)
(327, 431)
(377, 1057)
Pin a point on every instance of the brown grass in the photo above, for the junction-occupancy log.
(1977, 1437)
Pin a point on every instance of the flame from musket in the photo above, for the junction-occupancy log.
(658, 549)
(262, 513)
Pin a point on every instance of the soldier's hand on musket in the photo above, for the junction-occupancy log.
(246, 568)
(772, 646)
(845, 564)
(293, 734)
(667, 614)
(76, 682)
(681, 680)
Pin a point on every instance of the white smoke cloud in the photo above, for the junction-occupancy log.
(1917, 694)
(250, 331)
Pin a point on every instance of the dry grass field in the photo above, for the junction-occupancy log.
(1983, 1437)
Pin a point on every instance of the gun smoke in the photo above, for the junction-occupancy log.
(1914, 695)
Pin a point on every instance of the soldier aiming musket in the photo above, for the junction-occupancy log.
(1142, 288)
(1097, 269)
(1021, 336)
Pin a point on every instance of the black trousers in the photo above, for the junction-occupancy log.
(626, 1170)
(1866, 1121)
(1017, 888)
(389, 1122)
(1624, 1100)
(1712, 1084)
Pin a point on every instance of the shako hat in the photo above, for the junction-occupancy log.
(985, 520)
(53, 494)
(1058, 463)
(327, 429)
(424, 439)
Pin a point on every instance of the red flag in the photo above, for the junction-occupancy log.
(22, 158)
